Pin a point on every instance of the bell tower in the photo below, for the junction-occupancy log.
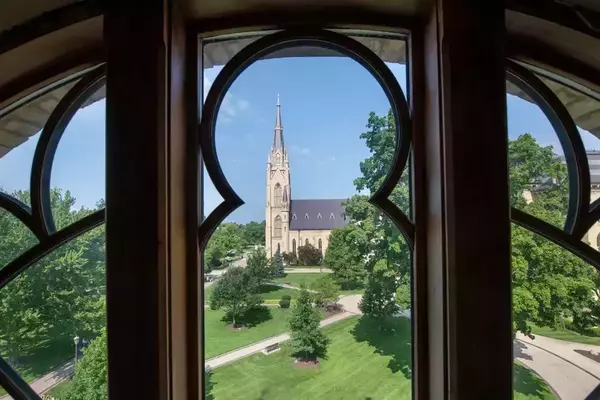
(277, 221)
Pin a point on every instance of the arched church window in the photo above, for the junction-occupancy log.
(277, 227)
(277, 195)
(294, 246)
(320, 246)
(306, 242)
(279, 247)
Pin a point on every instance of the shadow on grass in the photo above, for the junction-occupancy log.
(251, 318)
(43, 358)
(266, 288)
(208, 385)
(390, 337)
(526, 382)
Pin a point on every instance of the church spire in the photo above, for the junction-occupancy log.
(278, 136)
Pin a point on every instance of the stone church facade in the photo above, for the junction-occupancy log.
(291, 223)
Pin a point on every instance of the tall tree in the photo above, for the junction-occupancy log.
(236, 293)
(345, 255)
(549, 283)
(277, 267)
(308, 341)
(61, 294)
(386, 255)
(309, 255)
(259, 266)
(90, 381)
(254, 233)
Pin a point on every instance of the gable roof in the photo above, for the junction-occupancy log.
(312, 208)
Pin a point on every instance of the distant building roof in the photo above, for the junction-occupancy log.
(317, 214)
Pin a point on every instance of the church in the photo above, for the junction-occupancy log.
(293, 223)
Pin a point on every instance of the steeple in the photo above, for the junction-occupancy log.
(278, 136)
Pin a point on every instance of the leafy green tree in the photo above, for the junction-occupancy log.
(289, 258)
(309, 255)
(308, 341)
(277, 267)
(346, 255)
(60, 295)
(253, 233)
(90, 381)
(549, 283)
(236, 293)
(386, 255)
(259, 266)
(326, 290)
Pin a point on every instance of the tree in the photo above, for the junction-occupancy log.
(61, 294)
(236, 293)
(259, 266)
(549, 283)
(90, 381)
(289, 258)
(225, 241)
(308, 341)
(386, 255)
(326, 290)
(253, 233)
(277, 265)
(309, 255)
(345, 255)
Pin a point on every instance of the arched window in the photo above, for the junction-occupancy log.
(279, 248)
(277, 227)
(294, 246)
(306, 242)
(277, 195)
(320, 246)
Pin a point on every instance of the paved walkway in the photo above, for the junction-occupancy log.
(257, 347)
(307, 270)
(571, 375)
(50, 380)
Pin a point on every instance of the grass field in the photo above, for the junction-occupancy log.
(363, 363)
(307, 279)
(268, 292)
(565, 334)
(259, 325)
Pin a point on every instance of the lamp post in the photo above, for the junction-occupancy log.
(76, 341)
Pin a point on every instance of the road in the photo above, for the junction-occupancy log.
(571, 375)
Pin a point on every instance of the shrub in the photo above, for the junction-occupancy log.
(286, 297)
(309, 255)
(284, 303)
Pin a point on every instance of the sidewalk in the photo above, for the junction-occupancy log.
(257, 347)
(50, 380)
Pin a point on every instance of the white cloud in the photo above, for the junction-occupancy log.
(305, 151)
(231, 105)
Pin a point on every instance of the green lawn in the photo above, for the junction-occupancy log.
(363, 363)
(260, 325)
(565, 334)
(308, 278)
(268, 292)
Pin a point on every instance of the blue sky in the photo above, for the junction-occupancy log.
(325, 106)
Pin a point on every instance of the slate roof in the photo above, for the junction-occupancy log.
(317, 214)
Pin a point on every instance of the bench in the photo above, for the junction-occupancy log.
(271, 348)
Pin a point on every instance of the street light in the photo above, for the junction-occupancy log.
(76, 341)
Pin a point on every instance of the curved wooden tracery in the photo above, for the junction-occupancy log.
(38, 218)
(298, 37)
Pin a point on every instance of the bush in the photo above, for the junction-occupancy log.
(289, 258)
(309, 255)
(284, 303)
(286, 297)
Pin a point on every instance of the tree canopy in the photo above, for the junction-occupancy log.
(61, 295)
(236, 293)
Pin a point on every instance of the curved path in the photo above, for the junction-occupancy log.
(571, 375)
